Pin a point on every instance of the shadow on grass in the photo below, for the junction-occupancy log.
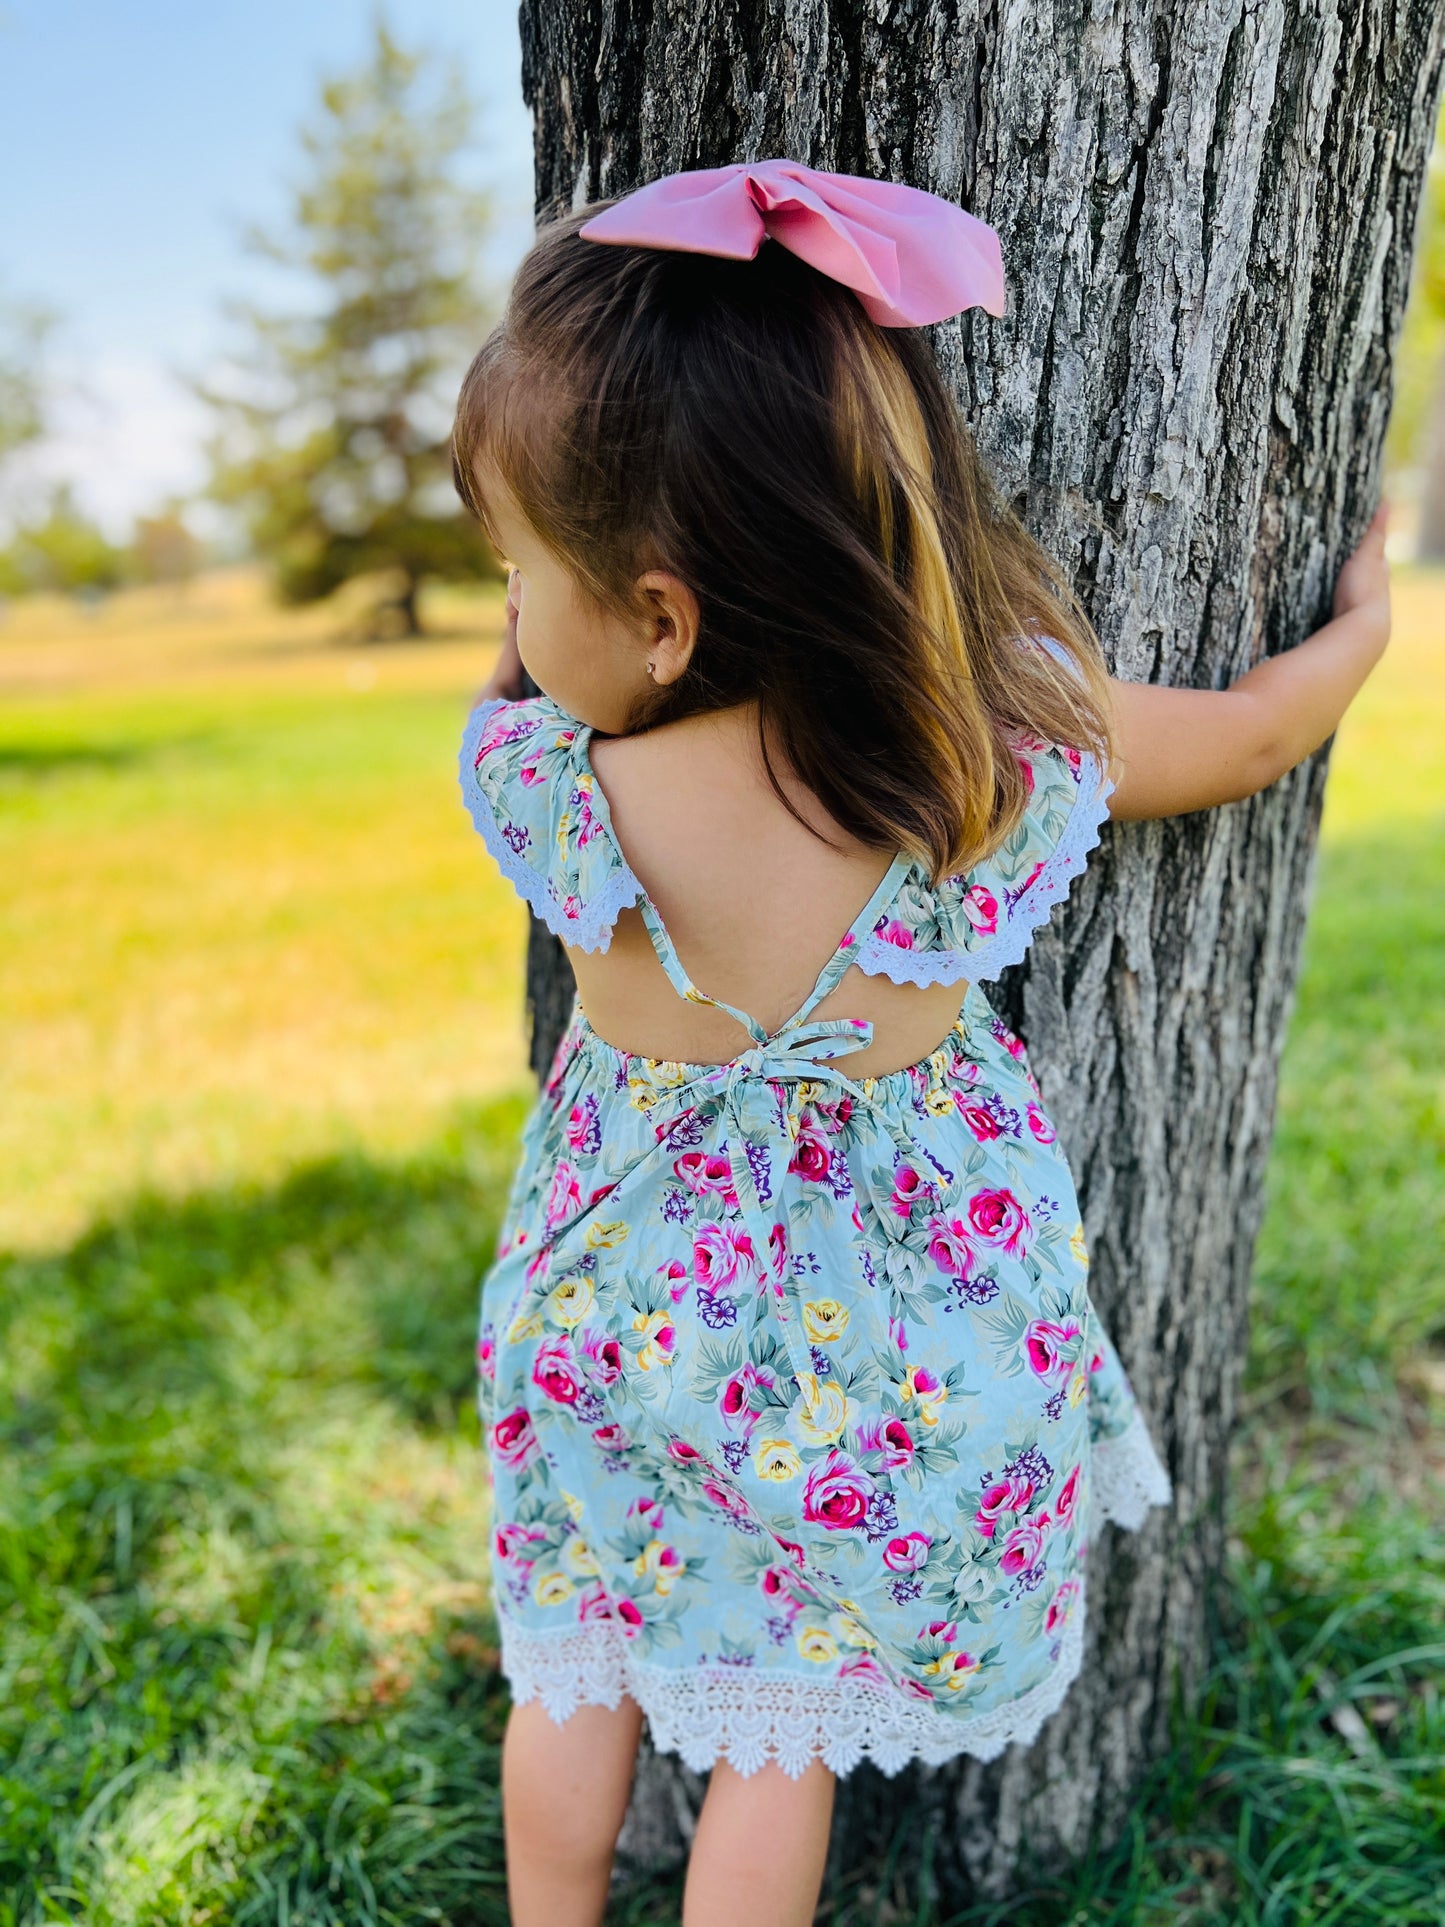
(250, 1666)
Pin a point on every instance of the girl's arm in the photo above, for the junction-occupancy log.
(1189, 749)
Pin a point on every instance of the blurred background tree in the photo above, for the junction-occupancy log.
(333, 428)
(62, 550)
(23, 328)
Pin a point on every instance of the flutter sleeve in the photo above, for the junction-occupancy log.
(975, 924)
(527, 782)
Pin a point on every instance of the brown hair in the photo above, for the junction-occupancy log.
(744, 425)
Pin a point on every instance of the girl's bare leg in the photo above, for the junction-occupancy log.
(564, 1795)
(760, 1848)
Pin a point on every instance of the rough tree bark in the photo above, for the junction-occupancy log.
(1207, 213)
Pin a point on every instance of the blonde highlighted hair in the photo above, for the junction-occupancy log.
(744, 425)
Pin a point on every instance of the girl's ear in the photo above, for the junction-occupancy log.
(672, 623)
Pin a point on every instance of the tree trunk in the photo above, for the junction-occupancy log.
(1207, 214)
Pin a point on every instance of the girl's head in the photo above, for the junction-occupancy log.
(724, 470)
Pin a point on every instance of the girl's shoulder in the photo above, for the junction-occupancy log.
(528, 783)
(973, 925)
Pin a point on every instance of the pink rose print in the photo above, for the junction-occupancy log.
(735, 1400)
(594, 1604)
(778, 1250)
(837, 1493)
(891, 1437)
(862, 1665)
(907, 1555)
(997, 1218)
(630, 1617)
(554, 1370)
(682, 1452)
(948, 1246)
(677, 1277)
(897, 1445)
(646, 1514)
(610, 1438)
(890, 930)
(1026, 770)
(1061, 1606)
(910, 1187)
(791, 1548)
(703, 1172)
(980, 906)
(1004, 1495)
(487, 1359)
(719, 1253)
(601, 1192)
(564, 1199)
(1022, 1547)
(726, 1497)
(944, 1629)
(515, 1541)
(782, 1585)
(1040, 1125)
(604, 1355)
(898, 1333)
(513, 1441)
(811, 1155)
(1051, 1348)
(580, 1122)
(1068, 1492)
(982, 1123)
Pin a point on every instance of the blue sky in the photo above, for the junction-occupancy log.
(137, 139)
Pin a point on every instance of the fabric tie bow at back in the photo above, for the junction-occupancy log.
(910, 257)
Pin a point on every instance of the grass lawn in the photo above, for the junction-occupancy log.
(264, 1066)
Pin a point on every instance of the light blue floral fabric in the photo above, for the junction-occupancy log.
(799, 1418)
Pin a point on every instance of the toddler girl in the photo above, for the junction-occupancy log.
(800, 1421)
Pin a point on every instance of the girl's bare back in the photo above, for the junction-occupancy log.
(754, 902)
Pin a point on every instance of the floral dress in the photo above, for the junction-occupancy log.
(799, 1419)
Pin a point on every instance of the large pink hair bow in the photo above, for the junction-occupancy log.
(911, 257)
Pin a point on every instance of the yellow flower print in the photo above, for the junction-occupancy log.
(870, 1086)
(1078, 1385)
(525, 1325)
(776, 1459)
(824, 1319)
(938, 1101)
(580, 1560)
(551, 1588)
(825, 1410)
(656, 1328)
(660, 1563)
(571, 1300)
(573, 1505)
(955, 1669)
(603, 1236)
(920, 1385)
(808, 1091)
(850, 1630)
(642, 1094)
(1077, 1245)
(817, 1645)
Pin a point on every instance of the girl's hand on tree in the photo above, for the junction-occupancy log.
(1364, 581)
(506, 678)
(1179, 750)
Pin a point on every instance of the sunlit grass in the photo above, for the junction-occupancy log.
(264, 1069)
(245, 916)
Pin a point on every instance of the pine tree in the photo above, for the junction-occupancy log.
(334, 424)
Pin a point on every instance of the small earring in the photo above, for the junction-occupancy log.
(649, 669)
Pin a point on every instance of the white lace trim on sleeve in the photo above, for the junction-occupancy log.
(591, 927)
(990, 958)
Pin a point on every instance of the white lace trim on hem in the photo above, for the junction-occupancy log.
(712, 1713)
(1128, 1476)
